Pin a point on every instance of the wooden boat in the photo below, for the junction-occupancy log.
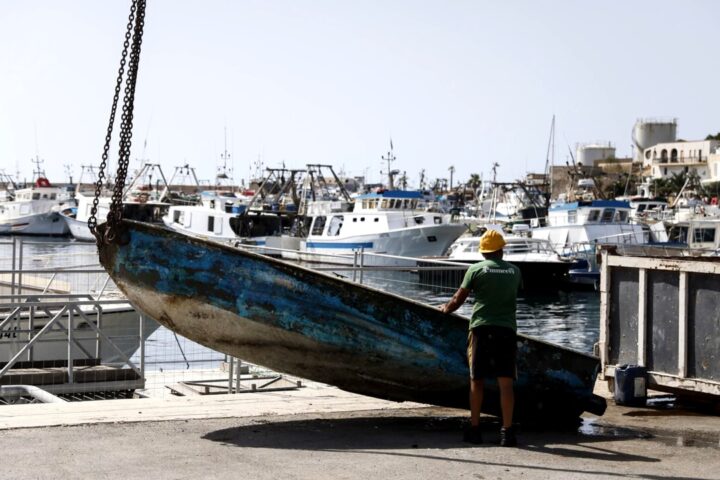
(327, 329)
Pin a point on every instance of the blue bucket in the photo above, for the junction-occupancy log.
(631, 385)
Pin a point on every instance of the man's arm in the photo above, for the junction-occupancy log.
(456, 301)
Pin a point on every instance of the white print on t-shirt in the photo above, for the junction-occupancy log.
(498, 270)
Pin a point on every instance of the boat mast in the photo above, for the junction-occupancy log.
(389, 159)
(550, 158)
(37, 169)
(223, 171)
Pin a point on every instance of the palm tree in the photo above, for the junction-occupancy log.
(474, 181)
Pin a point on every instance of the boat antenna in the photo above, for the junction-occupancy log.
(225, 157)
(38, 171)
(389, 159)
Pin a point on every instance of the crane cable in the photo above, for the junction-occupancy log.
(131, 47)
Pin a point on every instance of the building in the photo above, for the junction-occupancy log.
(666, 159)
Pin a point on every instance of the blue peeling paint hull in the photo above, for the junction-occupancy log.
(330, 330)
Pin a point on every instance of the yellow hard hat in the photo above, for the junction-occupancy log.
(491, 241)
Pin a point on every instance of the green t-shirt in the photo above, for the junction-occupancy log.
(495, 284)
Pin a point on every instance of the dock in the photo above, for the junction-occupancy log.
(322, 432)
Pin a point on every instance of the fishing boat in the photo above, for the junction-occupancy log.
(324, 328)
(542, 268)
(225, 215)
(34, 210)
(141, 200)
(575, 229)
(391, 222)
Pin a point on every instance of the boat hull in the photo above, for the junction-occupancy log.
(327, 329)
(78, 229)
(48, 223)
(413, 242)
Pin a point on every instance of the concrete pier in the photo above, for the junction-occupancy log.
(321, 432)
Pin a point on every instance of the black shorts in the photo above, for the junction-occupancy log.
(491, 352)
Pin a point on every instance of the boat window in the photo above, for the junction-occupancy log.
(419, 220)
(593, 216)
(53, 196)
(44, 195)
(572, 216)
(211, 224)
(621, 216)
(354, 219)
(177, 216)
(336, 224)
(392, 203)
(318, 226)
(704, 235)
(406, 203)
(432, 238)
(607, 215)
(36, 196)
(472, 247)
(641, 207)
(364, 204)
(678, 235)
(384, 203)
(376, 219)
(362, 219)
(437, 220)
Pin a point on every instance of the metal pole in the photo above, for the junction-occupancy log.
(98, 343)
(31, 329)
(362, 263)
(238, 376)
(12, 280)
(142, 347)
(20, 266)
(355, 264)
(69, 346)
(230, 375)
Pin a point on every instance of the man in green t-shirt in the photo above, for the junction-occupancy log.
(492, 344)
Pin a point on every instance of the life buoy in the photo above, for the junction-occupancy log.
(42, 182)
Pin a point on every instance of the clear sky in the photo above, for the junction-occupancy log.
(462, 83)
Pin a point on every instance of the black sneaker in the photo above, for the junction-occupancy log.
(472, 435)
(507, 437)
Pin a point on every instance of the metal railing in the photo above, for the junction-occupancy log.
(69, 332)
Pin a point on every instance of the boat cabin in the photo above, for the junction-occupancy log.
(592, 212)
(371, 213)
(697, 234)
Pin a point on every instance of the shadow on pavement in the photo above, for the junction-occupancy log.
(413, 436)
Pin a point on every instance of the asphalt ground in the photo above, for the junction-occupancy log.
(320, 432)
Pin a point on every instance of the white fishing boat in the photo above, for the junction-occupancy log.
(142, 200)
(592, 222)
(576, 229)
(225, 215)
(34, 210)
(392, 223)
(542, 267)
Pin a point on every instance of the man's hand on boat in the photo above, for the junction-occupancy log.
(456, 301)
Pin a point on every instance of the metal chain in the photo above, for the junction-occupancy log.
(92, 221)
(114, 217)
